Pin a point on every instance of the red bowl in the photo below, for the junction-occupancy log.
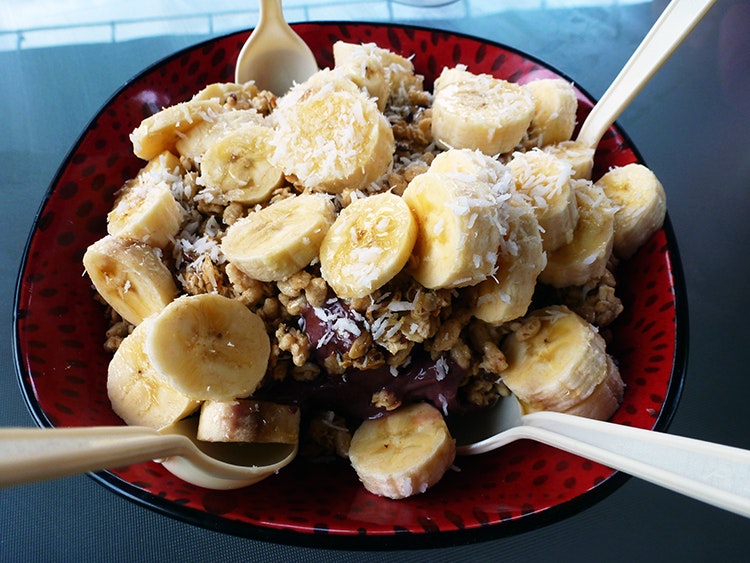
(59, 331)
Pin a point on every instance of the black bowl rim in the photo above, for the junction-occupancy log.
(380, 542)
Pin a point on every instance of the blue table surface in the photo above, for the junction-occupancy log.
(691, 123)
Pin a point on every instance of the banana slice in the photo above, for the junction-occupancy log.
(330, 136)
(249, 420)
(579, 155)
(281, 239)
(224, 91)
(166, 167)
(195, 142)
(404, 452)
(384, 74)
(139, 395)
(363, 66)
(209, 347)
(554, 117)
(508, 293)
(145, 208)
(585, 257)
(146, 213)
(161, 131)
(368, 244)
(606, 397)
(474, 163)
(561, 366)
(460, 226)
(130, 276)
(545, 180)
(641, 205)
(237, 166)
(471, 111)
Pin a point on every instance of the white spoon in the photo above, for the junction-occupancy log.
(674, 24)
(274, 56)
(36, 454)
(713, 473)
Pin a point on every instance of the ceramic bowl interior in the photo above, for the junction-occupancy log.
(62, 366)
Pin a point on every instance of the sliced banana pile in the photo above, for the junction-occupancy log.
(354, 185)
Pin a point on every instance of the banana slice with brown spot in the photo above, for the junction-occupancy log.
(279, 240)
(137, 393)
(236, 168)
(557, 361)
(404, 452)
(209, 347)
(130, 276)
(249, 420)
(368, 244)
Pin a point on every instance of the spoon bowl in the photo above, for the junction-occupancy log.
(714, 473)
(35, 454)
(274, 56)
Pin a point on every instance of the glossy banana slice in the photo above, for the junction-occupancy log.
(236, 167)
(161, 131)
(209, 347)
(249, 420)
(138, 394)
(460, 226)
(508, 293)
(561, 366)
(546, 181)
(281, 239)
(404, 452)
(478, 111)
(368, 244)
(641, 205)
(130, 276)
(330, 136)
(585, 258)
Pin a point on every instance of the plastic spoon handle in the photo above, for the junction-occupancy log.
(713, 473)
(35, 454)
(674, 24)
